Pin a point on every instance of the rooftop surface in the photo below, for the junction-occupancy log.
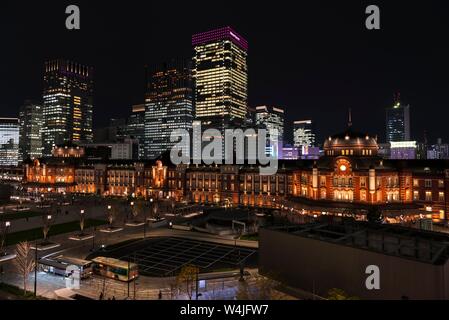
(423, 246)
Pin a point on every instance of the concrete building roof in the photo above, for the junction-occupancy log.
(419, 245)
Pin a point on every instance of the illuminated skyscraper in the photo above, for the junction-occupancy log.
(31, 126)
(168, 104)
(398, 122)
(221, 76)
(303, 134)
(68, 103)
(9, 141)
(271, 119)
(135, 127)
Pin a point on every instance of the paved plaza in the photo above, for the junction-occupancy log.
(167, 255)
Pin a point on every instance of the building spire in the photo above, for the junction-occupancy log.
(397, 98)
(349, 118)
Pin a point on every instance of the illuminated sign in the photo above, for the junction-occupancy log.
(403, 144)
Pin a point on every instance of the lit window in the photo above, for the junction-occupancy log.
(363, 182)
(363, 195)
(323, 181)
(428, 195)
(415, 182)
(323, 194)
(441, 196)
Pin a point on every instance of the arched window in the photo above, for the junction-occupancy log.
(323, 194)
(363, 195)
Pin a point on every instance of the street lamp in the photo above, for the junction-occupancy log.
(93, 238)
(145, 219)
(3, 236)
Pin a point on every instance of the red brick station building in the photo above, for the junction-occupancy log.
(349, 178)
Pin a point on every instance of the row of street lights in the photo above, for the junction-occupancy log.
(6, 226)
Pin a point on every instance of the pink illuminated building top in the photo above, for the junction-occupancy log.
(220, 34)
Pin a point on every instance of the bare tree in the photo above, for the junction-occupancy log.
(24, 262)
(111, 214)
(339, 294)
(262, 288)
(137, 209)
(155, 210)
(47, 221)
(174, 289)
(186, 279)
(243, 291)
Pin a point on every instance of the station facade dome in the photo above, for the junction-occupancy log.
(351, 143)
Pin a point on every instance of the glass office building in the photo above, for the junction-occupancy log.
(31, 125)
(271, 119)
(303, 134)
(221, 75)
(135, 127)
(9, 141)
(398, 123)
(67, 103)
(168, 104)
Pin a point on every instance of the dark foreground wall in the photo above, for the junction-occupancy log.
(317, 266)
(5, 192)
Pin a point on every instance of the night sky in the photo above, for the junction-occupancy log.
(314, 58)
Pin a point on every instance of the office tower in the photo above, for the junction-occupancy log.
(289, 152)
(398, 122)
(67, 103)
(271, 119)
(31, 125)
(122, 149)
(9, 141)
(168, 104)
(303, 134)
(221, 77)
(250, 116)
(439, 150)
(117, 130)
(136, 127)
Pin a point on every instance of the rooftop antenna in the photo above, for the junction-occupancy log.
(350, 118)
(397, 98)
